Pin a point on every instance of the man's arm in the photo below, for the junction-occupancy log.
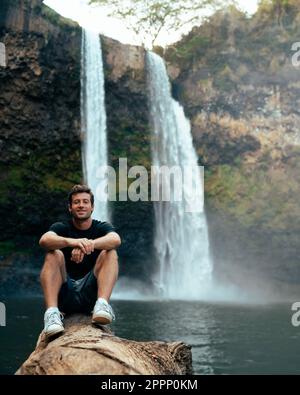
(108, 242)
(51, 241)
(101, 243)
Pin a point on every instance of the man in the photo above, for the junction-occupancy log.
(81, 264)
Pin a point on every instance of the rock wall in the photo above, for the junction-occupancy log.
(239, 89)
(40, 137)
(235, 78)
(129, 137)
(39, 119)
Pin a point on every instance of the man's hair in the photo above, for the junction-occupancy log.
(79, 189)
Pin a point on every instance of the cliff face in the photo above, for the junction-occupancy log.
(40, 140)
(235, 78)
(239, 89)
(129, 137)
(39, 118)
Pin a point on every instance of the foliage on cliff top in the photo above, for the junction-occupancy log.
(54, 18)
(148, 19)
(230, 37)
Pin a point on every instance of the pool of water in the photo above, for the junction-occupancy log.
(225, 338)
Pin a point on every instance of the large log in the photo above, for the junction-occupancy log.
(87, 349)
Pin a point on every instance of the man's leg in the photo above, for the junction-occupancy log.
(53, 275)
(106, 272)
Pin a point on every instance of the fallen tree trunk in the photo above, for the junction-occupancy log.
(86, 349)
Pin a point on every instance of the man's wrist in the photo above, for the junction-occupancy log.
(68, 242)
(94, 244)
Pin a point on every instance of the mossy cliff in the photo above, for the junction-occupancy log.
(235, 77)
(39, 119)
(129, 136)
(40, 139)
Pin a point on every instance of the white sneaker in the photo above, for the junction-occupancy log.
(53, 321)
(103, 313)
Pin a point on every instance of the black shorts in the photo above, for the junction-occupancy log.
(78, 296)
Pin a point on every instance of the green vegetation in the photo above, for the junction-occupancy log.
(255, 197)
(34, 190)
(135, 146)
(195, 47)
(7, 248)
(38, 168)
(147, 19)
(224, 51)
(130, 139)
(229, 39)
(53, 17)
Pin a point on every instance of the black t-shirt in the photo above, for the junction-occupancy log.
(67, 229)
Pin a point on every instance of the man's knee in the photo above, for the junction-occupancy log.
(112, 254)
(107, 255)
(55, 257)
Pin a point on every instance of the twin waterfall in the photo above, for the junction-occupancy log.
(181, 237)
(181, 240)
(93, 119)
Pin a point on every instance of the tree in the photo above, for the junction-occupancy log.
(149, 18)
(278, 9)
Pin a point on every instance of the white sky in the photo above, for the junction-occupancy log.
(96, 20)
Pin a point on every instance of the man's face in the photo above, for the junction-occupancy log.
(81, 207)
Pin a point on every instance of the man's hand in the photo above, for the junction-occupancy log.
(77, 255)
(81, 247)
(85, 245)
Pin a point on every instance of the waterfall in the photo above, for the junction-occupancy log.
(93, 121)
(181, 237)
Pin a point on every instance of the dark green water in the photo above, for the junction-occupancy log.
(225, 339)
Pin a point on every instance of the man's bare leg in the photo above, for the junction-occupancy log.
(53, 275)
(106, 271)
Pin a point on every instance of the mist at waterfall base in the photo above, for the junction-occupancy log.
(134, 289)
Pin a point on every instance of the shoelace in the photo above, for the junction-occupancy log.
(107, 308)
(54, 318)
